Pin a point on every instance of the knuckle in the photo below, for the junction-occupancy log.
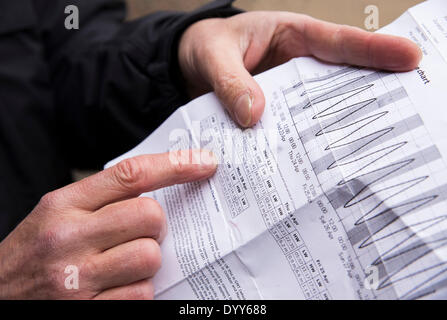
(339, 39)
(230, 89)
(57, 236)
(179, 166)
(128, 172)
(49, 200)
(179, 162)
(369, 51)
(230, 85)
(91, 268)
(337, 36)
(52, 236)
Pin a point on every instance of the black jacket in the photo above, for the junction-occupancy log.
(77, 98)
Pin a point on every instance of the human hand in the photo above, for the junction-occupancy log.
(100, 226)
(221, 54)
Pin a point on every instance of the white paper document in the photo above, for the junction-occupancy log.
(339, 192)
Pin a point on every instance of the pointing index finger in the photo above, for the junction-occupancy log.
(134, 176)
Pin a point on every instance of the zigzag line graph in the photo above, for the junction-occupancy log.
(369, 180)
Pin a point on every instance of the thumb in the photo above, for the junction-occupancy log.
(237, 90)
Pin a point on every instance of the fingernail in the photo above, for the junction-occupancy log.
(208, 160)
(242, 110)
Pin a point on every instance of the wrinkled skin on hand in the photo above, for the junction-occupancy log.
(222, 54)
(102, 227)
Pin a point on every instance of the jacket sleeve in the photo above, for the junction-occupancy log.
(114, 81)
